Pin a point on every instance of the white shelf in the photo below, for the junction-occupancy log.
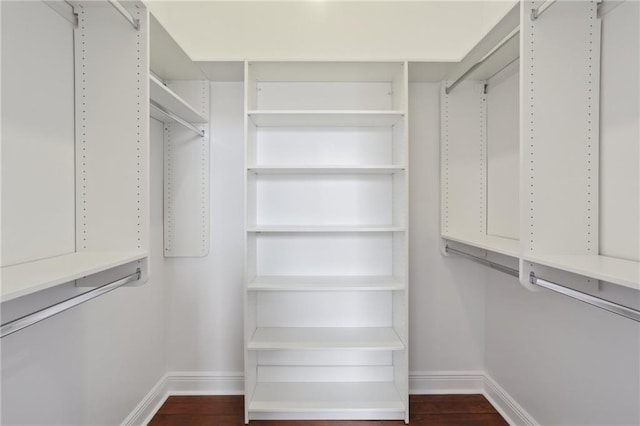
(622, 272)
(309, 397)
(386, 169)
(167, 99)
(506, 246)
(327, 283)
(26, 278)
(325, 338)
(324, 228)
(300, 118)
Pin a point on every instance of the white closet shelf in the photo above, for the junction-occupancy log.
(337, 118)
(325, 283)
(310, 397)
(622, 272)
(167, 99)
(324, 228)
(31, 277)
(382, 169)
(506, 246)
(325, 338)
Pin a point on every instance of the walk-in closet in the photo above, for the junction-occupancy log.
(326, 212)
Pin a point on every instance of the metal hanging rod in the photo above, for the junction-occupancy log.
(135, 22)
(177, 119)
(483, 261)
(535, 13)
(42, 314)
(586, 298)
(475, 66)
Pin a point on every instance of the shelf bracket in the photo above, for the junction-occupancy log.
(135, 22)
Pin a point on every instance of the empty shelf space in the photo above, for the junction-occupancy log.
(324, 228)
(326, 283)
(309, 397)
(303, 118)
(383, 169)
(325, 338)
(506, 246)
(26, 278)
(169, 101)
(617, 271)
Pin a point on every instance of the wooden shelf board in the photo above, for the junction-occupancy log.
(31, 277)
(617, 271)
(327, 283)
(506, 246)
(324, 228)
(325, 338)
(166, 98)
(387, 169)
(326, 397)
(337, 118)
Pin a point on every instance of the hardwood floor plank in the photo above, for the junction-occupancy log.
(441, 404)
(425, 410)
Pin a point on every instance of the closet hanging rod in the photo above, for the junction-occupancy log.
(174, 117)
(42, 314)
(586, 298)
(535, 13)
(475, 66)
(135, 22)
(483, 261)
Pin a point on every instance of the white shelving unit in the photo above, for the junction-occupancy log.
(574, 224)
(179, 97)
(326, 241)
(575, 168)
(75, 196)
(480, 145)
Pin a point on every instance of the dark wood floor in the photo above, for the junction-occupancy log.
(432, 410)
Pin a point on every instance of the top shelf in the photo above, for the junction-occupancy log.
(170, 101)
(347, 118)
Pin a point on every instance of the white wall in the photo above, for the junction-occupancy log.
(564, 362)
(446, 293)
(418, 30)
(93, 364)
(204, 297)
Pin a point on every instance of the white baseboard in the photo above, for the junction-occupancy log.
(443, 382)
(184, 383)
(207, 383)
(149, 406)
(420, 383)
(512, 412)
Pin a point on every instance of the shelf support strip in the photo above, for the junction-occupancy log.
(35, 317)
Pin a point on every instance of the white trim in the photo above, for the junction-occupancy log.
(420, 383)
(150, 404)
(512, 412)
(445, 382)
(206, 383)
